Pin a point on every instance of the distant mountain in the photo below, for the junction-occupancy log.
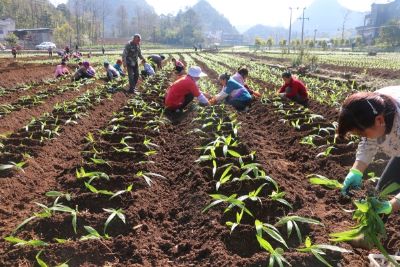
(211, 19)
(327, 17)
(265, 32)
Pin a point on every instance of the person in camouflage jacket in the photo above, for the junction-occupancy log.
(130, 57)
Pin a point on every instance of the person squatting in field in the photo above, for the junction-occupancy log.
(111, 72)
(156, 60)
(85, 71)
(147, 71)
(240, 76)
(375, 117)
(61, 69)
(233, 93)
(118, 67)
(293, 89)
(179, 67)
(184, 90)
(130, 57)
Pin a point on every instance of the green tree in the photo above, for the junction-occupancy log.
(270, 42)
(63, 34)
(358, 41)
(390, 35)
(324, 45)
(311, 44)
(11, 39)
(259, 42)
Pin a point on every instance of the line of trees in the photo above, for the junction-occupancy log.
(85, 22)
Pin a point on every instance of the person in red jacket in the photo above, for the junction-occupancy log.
(293, 89)
(184, 90)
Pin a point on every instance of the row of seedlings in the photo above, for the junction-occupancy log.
(22, 144)
(38, 98)
(250, 197)
(99, 193)
(321, 136)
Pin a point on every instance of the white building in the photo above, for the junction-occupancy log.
(6, 26)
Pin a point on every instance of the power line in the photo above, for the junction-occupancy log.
(302, 27)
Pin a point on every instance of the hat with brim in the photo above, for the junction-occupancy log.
(196, 72)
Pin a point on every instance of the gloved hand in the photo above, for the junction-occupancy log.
(382, 207)
(256, 94)
(212, 101)
(353, 180)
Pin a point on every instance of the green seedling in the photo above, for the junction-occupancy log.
(58, 195)
(13, 165)
(41, 263)
(81, 174)
(369, 224)
(270, 230)
(278, 196)
(20, 242)
(113, 212)
(127, 190)
(309, 140)
(317, 179)
(318, 250)
(66, 209)
(326, 153)
(372, 177)
(147, 142)
(253, 195)
(231, 200)
(296, 124)
(146, 176)
(93, 234)
(44, 213)
(96, 191)
(233, 225)
(225, 176)
(98, 161)
(291, 221)
(275, 255)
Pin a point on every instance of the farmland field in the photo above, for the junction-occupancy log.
(93, 178)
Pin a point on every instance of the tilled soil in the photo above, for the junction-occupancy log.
(14, 73)
(165, 223)
(17, 119)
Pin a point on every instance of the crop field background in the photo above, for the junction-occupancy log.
(93, 178)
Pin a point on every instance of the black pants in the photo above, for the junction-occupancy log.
(390, 175)
(188, 98)
(133, 75)
(239, 105)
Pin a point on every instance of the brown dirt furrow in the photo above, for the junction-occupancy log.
(18, 119)
(16, 73)
(13, 97)
(289, 163)
(18, 192)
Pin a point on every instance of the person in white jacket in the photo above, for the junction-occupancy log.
(375, 116)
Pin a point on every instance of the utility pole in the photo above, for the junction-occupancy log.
(302, 27)
(290, 28)
(315, 35)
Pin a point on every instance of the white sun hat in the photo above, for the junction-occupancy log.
(196, 72)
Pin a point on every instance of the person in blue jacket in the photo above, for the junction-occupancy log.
(234, 93)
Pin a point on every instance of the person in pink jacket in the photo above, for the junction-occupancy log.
(61, 70)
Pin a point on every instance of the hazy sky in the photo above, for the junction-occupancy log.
(251, 12)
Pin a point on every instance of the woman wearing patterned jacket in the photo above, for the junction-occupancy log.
(375, 116)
